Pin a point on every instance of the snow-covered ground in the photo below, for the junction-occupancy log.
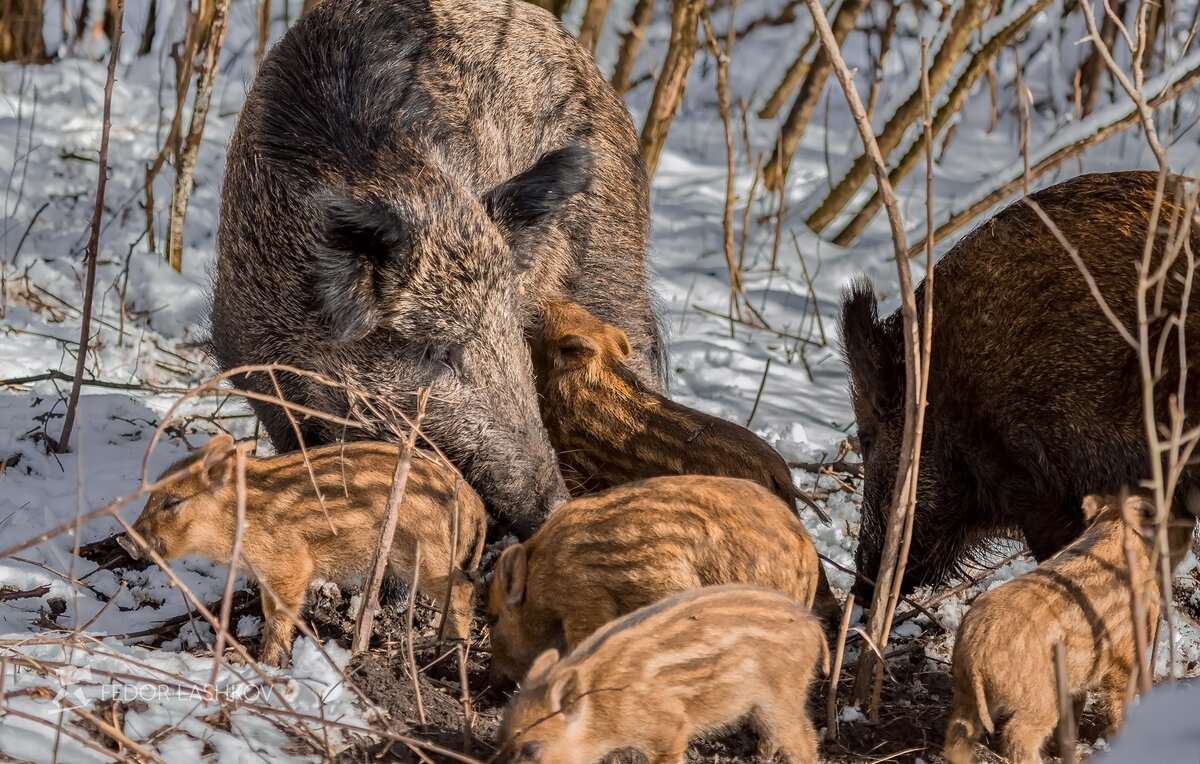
(63, 644)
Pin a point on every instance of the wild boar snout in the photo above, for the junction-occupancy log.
(132, 549)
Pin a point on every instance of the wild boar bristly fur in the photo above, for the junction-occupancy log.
(407, 180)
(292, 538)
(602, 556)
(691, 663)
(1081, 598)
(1035, 399)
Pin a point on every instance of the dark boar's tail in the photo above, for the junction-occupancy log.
(872, 352)
(807, 500)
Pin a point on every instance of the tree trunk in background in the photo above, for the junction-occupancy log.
(791, 80)
(1093, 68)
(21, 32)
(668, 91)
(81, 20)
(962, 26)
(956, 96)
(214, 30)
(147, 41)
(631, 42)
(593, 24)
(810, 93)
(264, 30)
(109, 23)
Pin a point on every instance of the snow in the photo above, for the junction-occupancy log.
(49, 136)
(1165, 721)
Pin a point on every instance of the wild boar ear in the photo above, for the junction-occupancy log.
(566, 695)
(218, 445)
(540, 194)
(363, 241)
(510, 571)
(574, 346)
(542, 665)
(875, 360)
(620, 341)
(218, 461)
(1092, 506)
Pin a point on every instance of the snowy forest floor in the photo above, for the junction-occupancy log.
(83, 645)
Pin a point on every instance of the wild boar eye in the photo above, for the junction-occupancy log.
(530, 750)
(445, 358)
(171, 502)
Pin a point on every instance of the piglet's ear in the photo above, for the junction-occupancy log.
(542, 193)
(218, 445)
(566, 694)
(542, 665)
(218, 461)
(620, 342)
(576, 346)
(511, 570)
(1092, 506)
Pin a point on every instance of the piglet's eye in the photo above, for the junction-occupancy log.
(530, 750)
(171, 502)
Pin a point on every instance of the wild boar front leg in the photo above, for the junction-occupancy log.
(784, 725)
(671, 749)
(282, 600)
(1051, 533)
(458, 609)
(1028, 729)
(1115, 688)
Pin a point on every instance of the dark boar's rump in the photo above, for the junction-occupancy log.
(1035, 399)
(407, 180)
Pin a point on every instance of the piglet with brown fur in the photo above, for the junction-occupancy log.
(290, 541)
(602, 556)
(609, 429)
(692, 663)
(1003, 656)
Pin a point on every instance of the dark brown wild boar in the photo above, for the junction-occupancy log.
(605, 555)
(1035, 400)
(609, 429)
(1004, 652)
(693, 663)
(290, 540)
(407, 180)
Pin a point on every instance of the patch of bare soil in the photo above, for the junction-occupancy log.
(915, 701)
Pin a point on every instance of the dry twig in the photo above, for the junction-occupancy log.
(835, 671)
(89, 284)
(374, 581)
(903, 494)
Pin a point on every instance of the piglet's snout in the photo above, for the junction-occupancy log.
(131, 548)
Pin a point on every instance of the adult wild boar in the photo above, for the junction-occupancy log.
(1035, 400)
(407, 180)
